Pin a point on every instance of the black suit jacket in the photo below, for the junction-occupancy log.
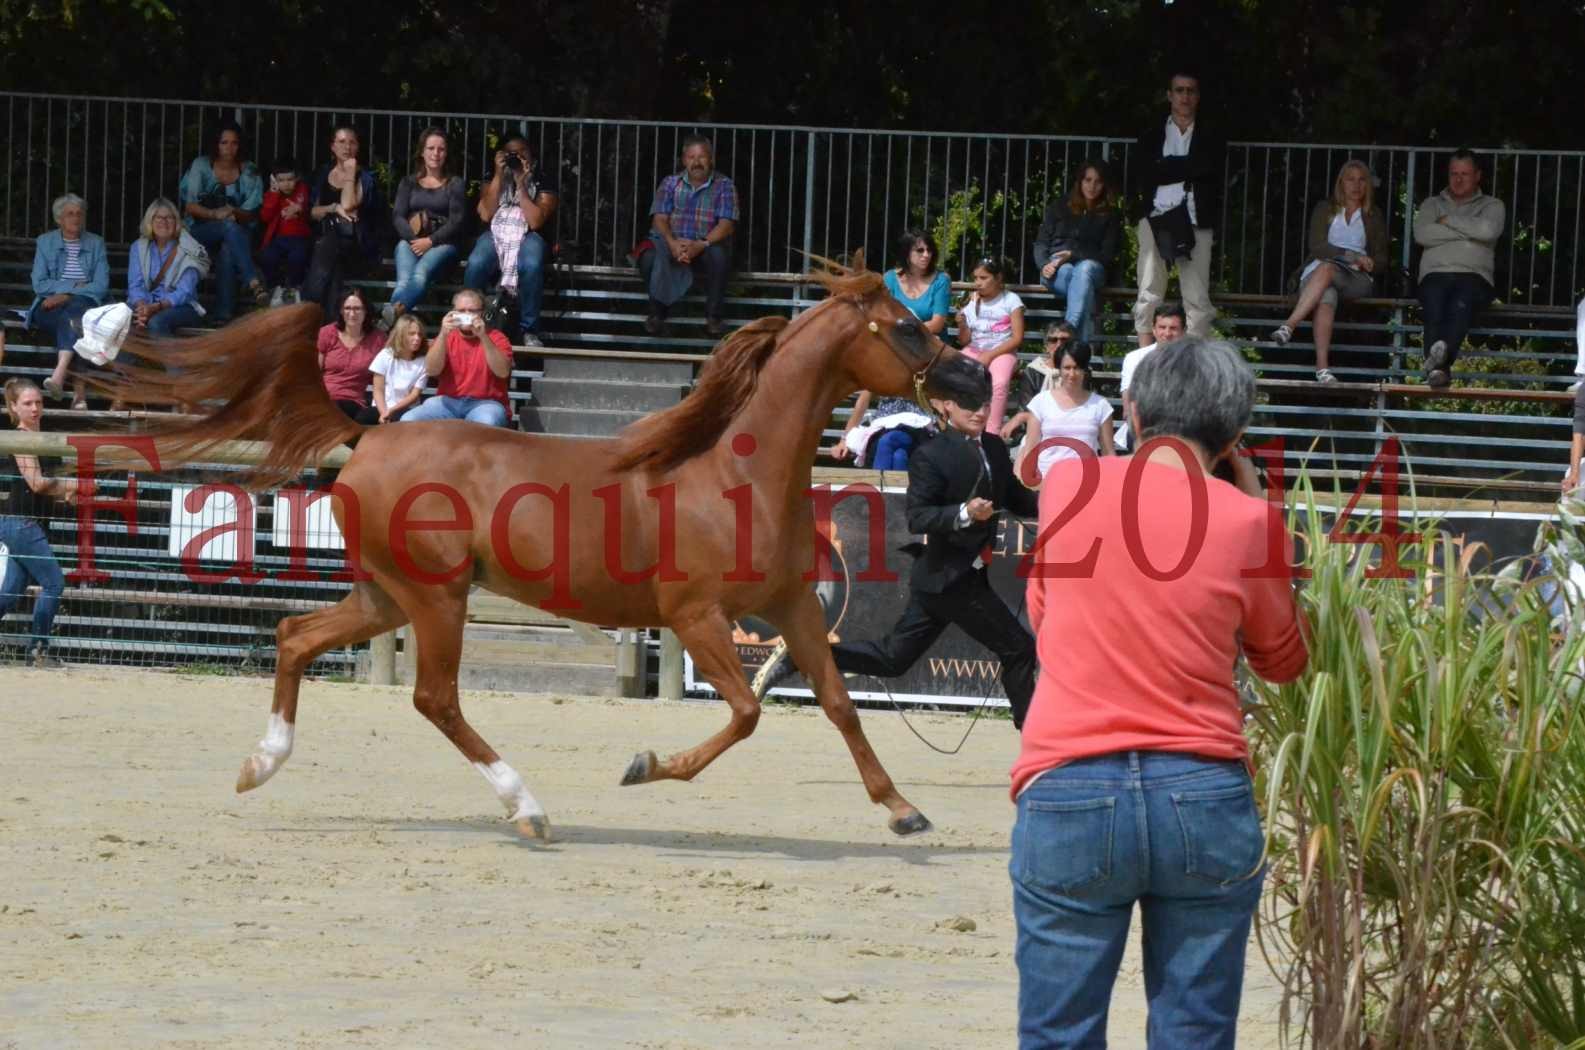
(943, 474)
(1203, 169)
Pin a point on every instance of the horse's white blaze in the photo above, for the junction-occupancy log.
(511, 790)
(273, 750)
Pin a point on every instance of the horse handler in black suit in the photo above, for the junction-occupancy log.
(958, 482)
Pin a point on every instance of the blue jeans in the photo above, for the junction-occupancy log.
(474, 409)
(57, 323)
(1079, 284)
(1177, 833)
(166, 322)
(30, 558)
(285, 260)
(484, 269)
(891, 450)
(415, 273)
(230, 245)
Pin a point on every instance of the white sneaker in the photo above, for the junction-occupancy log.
(1282, 335)
(277, 297)
(295, 294)
(1324, 375)
(1574, 386)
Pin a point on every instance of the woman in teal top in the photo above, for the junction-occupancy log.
(927, 292)
(221, 195)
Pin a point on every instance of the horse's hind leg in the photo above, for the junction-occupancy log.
(365, 612)
(804, 630)
(708, 640)
(437, 624)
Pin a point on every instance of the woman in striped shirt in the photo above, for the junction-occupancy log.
(70, 275)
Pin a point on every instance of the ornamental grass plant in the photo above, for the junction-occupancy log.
(1424, 791)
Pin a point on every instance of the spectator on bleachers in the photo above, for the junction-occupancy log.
(346, 211)
(347, 347)
(516, 206)
(71, 274)
(1177, 167)
(220, 196)
(1458, 228)
(693, 217)
(163, 270)
(471, 364)
(991, 324)
(1165, 327)
(29, 489)
(883, 440)
(1579, 342)
(399, 371)
(1348, 247)
(1067, 409)
(288, 237)
(1078, 241)
(1576, 452)
(1041, 373)
(431, 219)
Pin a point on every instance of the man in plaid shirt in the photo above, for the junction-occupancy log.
(693, 218)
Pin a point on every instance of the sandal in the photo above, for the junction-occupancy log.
(261, 294)
(56, 390)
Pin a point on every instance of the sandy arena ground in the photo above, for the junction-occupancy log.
(370, 895)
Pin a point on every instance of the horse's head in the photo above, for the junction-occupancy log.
(895, 354)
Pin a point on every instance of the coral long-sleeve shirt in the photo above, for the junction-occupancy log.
(1133, 663)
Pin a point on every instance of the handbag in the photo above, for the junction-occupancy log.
(1174, 232)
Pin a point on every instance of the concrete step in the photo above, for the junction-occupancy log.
(622, 395)
(584, 422)
(570, 679)
(675, 373)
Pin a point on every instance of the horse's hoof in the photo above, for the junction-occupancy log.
(535, 827)
(641, 770)
(913, 824)
(248, 779)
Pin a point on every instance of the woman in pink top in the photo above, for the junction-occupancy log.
(347, 347)
(1132, 783)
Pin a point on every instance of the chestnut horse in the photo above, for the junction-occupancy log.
(691, 518)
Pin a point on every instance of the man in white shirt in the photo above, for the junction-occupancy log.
(1167, 328)
(1178, 169)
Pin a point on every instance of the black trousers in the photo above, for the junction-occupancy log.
(1449, 302)
(972, 605)
(713, 268)
(332, 259)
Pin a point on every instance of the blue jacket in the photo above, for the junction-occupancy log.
(247, 193)
(49, 263)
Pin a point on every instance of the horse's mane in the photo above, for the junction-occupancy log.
(728, 379)
(726, 382)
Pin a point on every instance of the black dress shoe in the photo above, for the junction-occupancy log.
(654, 324)
(714, 327)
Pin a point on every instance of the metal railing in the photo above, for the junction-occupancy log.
(802, 189)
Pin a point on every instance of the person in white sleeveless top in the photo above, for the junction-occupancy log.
(1066, 408)
(1348, 247)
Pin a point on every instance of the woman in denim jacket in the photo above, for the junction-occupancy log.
(163, 270)
(70, 275)
(221, 194)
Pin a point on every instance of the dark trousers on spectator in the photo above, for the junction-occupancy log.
(368, 415)
(971, 604)
(332, 259)
(1449, 303)
(713, 268)
(285, 261)
(60, 324)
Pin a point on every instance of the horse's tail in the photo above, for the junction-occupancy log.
(264, 373)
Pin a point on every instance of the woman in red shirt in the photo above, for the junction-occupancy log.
(347, 346)
(1132, 783)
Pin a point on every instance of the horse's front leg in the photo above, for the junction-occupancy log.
(365, 612)
(708, 638)
(803, 628)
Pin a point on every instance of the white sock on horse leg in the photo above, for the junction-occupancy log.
(511, 790)
(272, 752)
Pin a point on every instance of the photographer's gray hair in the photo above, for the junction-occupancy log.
(1194, 389)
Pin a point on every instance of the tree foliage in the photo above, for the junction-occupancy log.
(1437, 71)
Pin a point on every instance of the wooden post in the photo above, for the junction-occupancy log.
(632, 664)
(670, 666)
(382, 659)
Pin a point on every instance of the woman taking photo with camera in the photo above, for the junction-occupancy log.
(516, 205)
(430, 216)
